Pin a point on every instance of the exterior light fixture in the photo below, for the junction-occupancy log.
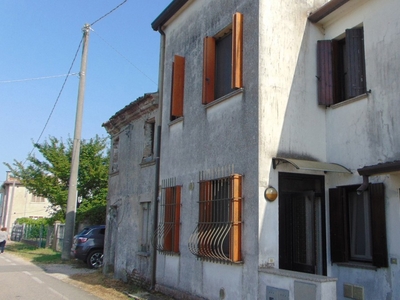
(270, 193)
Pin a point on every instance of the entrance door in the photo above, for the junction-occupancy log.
(302, 223)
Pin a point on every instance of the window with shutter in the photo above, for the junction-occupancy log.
(358, 225)
(223, 61)
(167, 233)
(178, 84)
(341, 68)
(218, 234)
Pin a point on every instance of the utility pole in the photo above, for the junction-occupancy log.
(73, 179)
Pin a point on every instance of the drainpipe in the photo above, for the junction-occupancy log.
(158, 150)
(364, 185)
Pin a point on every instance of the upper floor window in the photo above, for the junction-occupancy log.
(114, 159)
(37, 199)
(218, 235)
(178, 84)
(149, 133)
(341, 68)
(223, 61)
(358, 225)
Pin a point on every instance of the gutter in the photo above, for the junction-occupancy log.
(158, 151)
(167, 14)
(325, 10)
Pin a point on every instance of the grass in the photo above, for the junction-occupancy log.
(34, 254)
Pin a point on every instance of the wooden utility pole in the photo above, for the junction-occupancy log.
(73, 179)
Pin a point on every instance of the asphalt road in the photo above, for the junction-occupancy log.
(22, 280)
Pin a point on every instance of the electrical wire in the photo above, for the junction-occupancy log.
(68, 73)
(38, 78)
(113, 47)
(58, 98)
(111, 11)
(124, 57)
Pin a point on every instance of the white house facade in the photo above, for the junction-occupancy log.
(18, 202)
(279, 166)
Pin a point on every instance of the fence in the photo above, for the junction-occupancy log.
(40, 235)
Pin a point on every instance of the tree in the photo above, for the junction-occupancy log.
(49, 177)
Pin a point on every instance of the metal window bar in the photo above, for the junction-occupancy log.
(166, 237)
(217, 236)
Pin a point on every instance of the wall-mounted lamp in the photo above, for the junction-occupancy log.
(270, 193)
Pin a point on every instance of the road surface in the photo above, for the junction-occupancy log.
(22, 280)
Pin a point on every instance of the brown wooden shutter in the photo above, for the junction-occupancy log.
(378, 225)
(209, 70)
(338, 231)
(356, 84)
(178, 81)
(236, 215)
(326, 72)
(178, 190)
(205, 216)
(237, 50)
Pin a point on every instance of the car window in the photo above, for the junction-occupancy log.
(84, 231)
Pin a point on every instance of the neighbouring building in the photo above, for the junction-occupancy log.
(18, 202)
(279, 168)
(131, 189)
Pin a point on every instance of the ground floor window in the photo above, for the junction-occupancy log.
(167, 234)
(218, 235)
(358, 225)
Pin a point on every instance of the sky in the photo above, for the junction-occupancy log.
(38, 42)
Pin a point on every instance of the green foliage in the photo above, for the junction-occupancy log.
(29, 221)
(49, 177)
(93, 212)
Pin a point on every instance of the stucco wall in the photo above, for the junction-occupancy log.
(130, 194)
(18, 203)
(276, 114)
(220, 135)
(354, 134)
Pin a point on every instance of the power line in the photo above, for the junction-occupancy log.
(37, 78)
(111, 11)
(58, 97)
(124, 57)
(68, 74)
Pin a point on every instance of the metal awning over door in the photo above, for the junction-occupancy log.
(311, 165)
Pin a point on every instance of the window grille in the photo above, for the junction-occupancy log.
(217, 236)
(167, 233)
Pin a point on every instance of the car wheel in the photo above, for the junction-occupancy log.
(95, 259)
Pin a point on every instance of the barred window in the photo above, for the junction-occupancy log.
(167, 235)
(218, 234)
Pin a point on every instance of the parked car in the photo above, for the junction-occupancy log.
(88, 245)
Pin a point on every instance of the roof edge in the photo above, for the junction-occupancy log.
(381, 168)
(325, 10)
(168, 13)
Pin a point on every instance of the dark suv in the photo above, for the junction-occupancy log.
(88, 245)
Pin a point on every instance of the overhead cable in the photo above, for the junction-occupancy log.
(58, 97)
(111, 11)
(37, 78)
(124, 57)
